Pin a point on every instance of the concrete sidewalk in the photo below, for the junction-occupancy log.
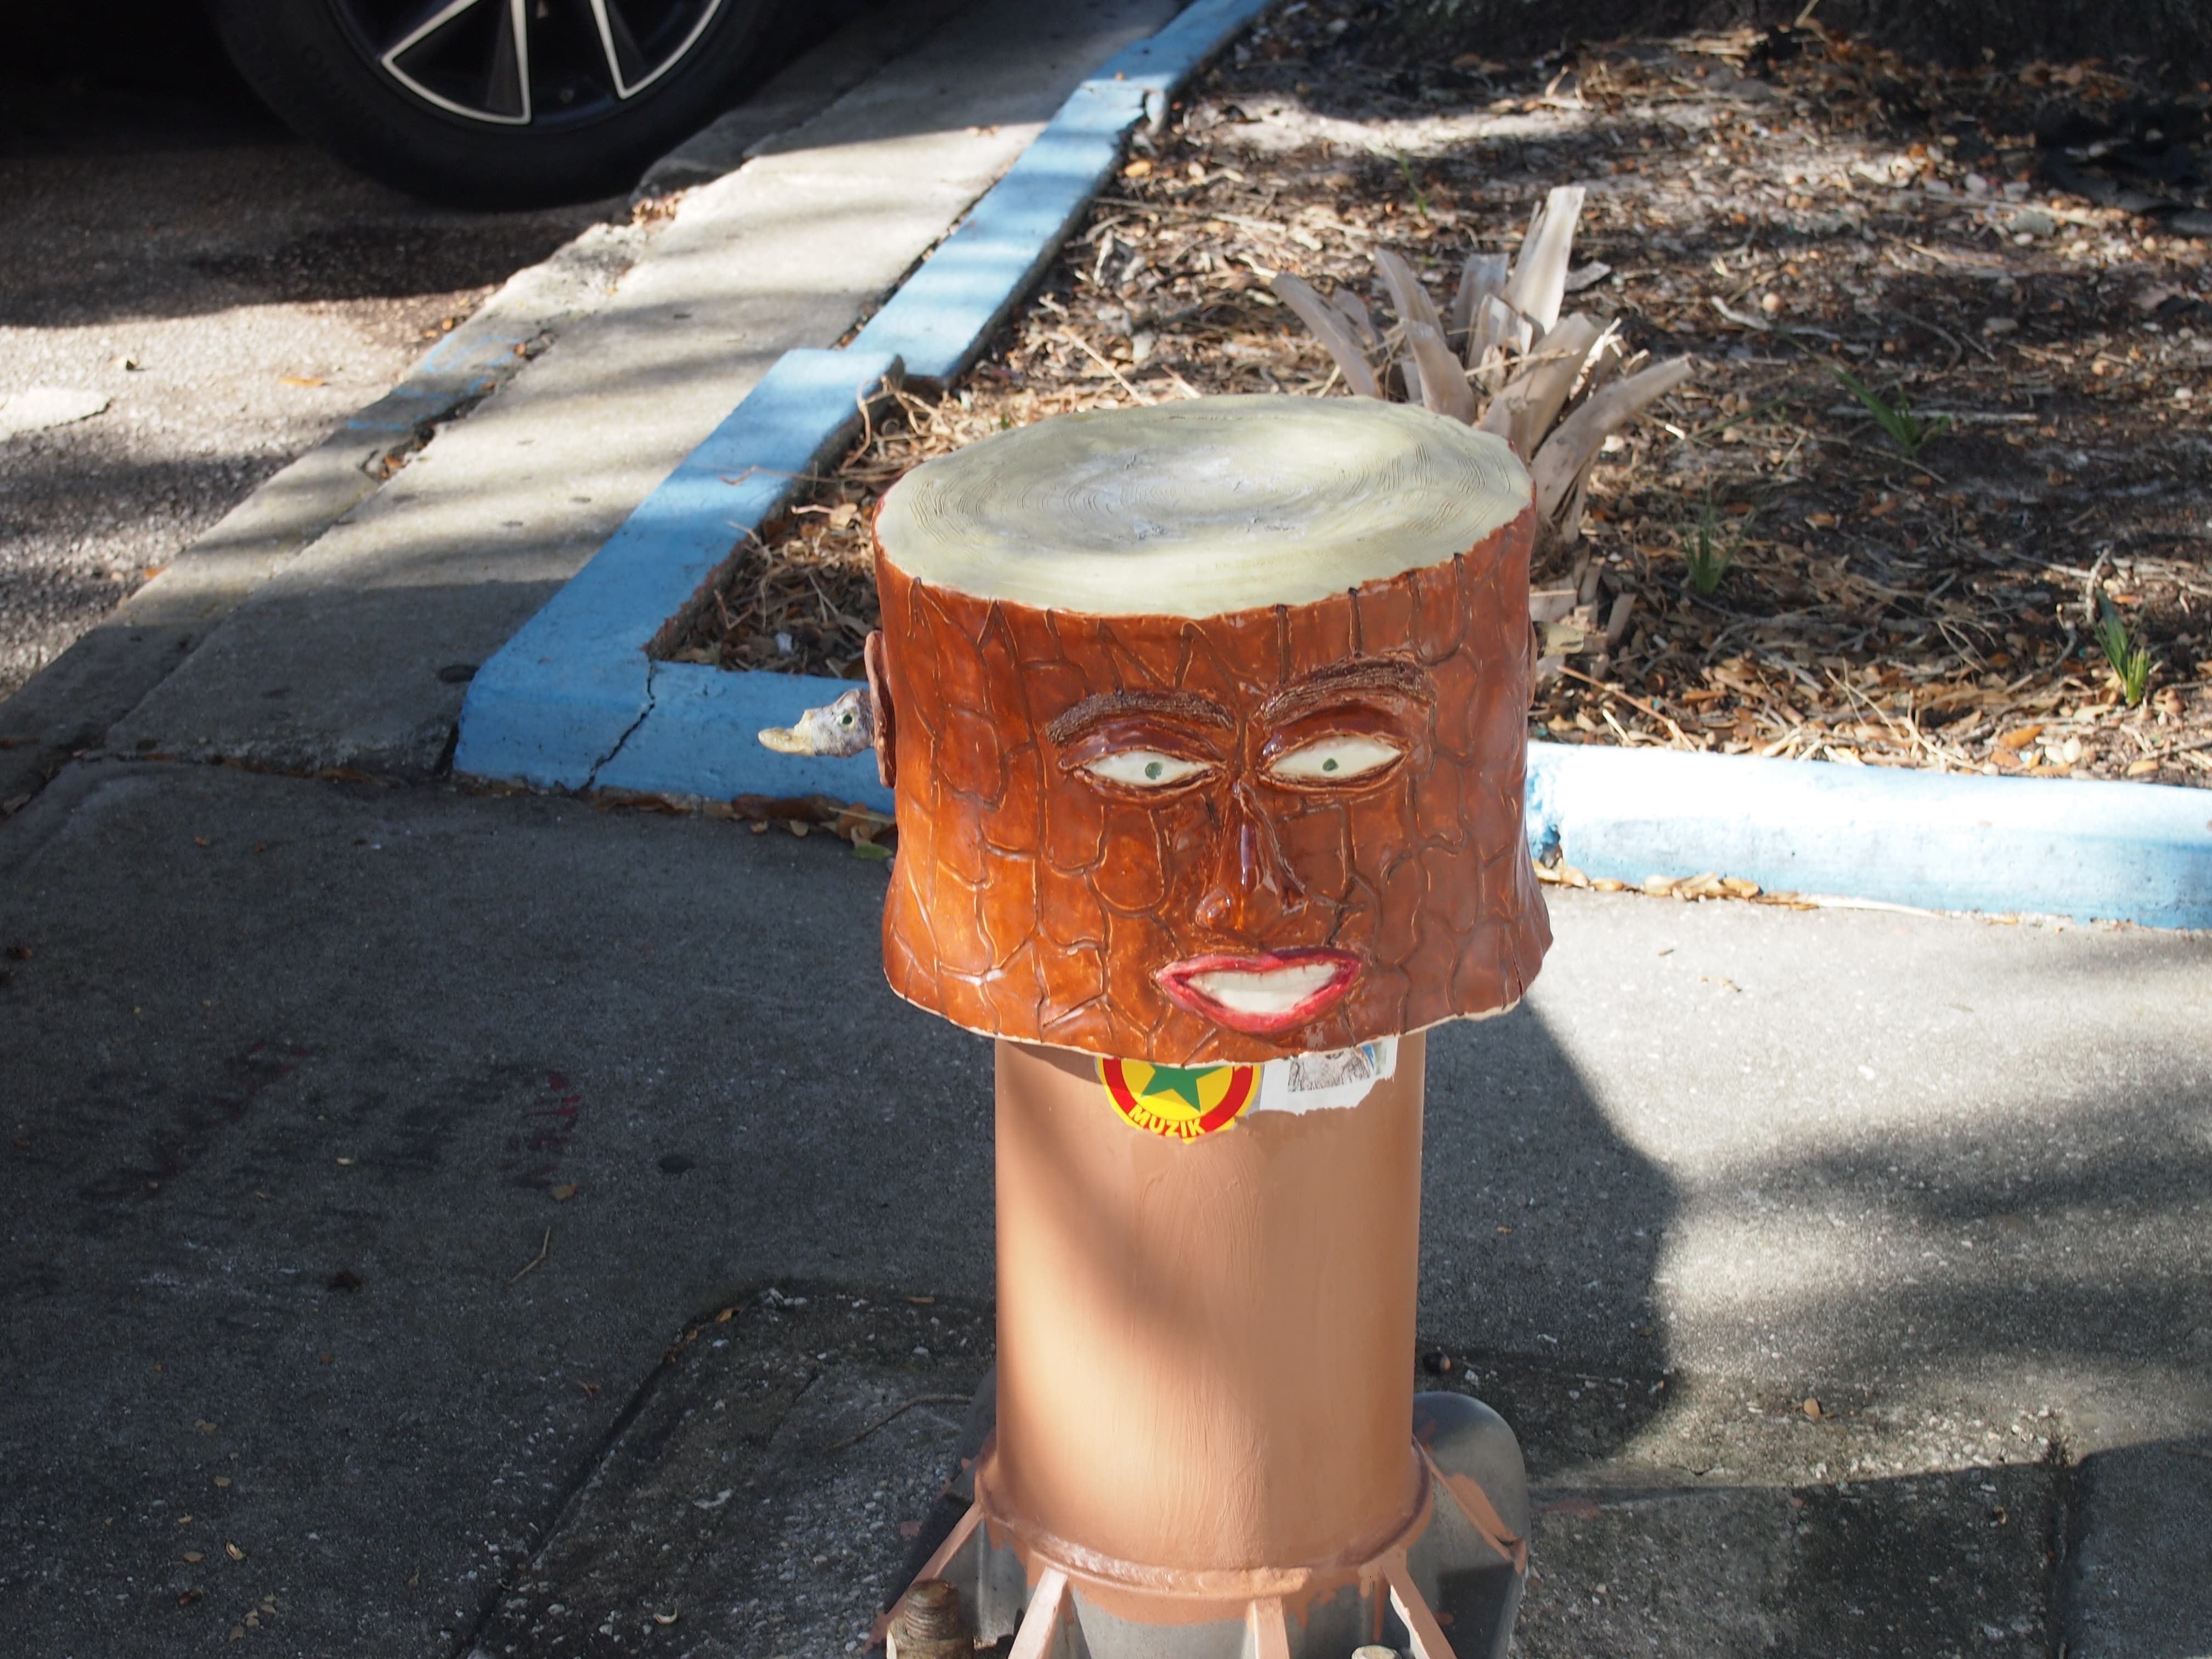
(368, 1150)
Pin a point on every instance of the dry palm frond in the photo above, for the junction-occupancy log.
(1539, 282)
(1333, 330)
(1500, 356)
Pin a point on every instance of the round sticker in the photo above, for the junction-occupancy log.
(1180, 1101)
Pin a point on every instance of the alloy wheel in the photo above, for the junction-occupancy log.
(526, 62)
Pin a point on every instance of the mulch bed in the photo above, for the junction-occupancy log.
(2010, 248)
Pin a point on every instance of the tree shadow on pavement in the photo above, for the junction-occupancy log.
(1541, 1230)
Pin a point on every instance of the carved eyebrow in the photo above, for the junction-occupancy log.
(1386, 674)
(1109, 705)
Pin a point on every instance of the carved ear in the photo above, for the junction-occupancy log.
(879, 693)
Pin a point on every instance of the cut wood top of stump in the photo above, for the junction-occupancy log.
(1203, 508)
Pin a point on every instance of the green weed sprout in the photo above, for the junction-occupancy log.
(1710, 547)
(1412, 185)
(1906, 431)
(2129, 656)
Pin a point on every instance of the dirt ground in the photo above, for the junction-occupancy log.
(2017, 257)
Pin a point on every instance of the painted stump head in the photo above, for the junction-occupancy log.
(1207, 724)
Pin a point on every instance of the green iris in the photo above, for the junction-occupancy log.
(1329, 765)
(1153, 769)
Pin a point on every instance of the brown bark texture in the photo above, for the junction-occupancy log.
(1029, 901)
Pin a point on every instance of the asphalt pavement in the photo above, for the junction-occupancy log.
(231, 293)
(440, 1221)
(369, 1148)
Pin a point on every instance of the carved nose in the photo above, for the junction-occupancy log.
(1252, 884)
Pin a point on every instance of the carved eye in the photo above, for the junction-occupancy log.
(1333, 760)
(1143, 768)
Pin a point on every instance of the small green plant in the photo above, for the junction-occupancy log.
(1413, 184)
(1906, 431)
(1710, 547)
(2129, 656)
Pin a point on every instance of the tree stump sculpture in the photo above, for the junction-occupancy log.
(1206, 726)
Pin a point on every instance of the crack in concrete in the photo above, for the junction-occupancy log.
(651, 668)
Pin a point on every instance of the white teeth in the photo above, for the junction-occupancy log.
(1264, 991)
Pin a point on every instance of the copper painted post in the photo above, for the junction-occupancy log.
(1207, 725)
(1203, 1347)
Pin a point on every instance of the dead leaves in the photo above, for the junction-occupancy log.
(1548, 384)
(1708, 885)
(871, 834)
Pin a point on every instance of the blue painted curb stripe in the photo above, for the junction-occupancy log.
(2130, 852)
(701, 740)
(937, 323)
(562, 697)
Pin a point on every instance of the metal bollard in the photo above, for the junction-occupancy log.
(1206, 726)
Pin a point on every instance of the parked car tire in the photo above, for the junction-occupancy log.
(497, 103)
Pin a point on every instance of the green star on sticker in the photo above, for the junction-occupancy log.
(1181, 1081)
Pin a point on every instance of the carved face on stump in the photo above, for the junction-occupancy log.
(1278, 827)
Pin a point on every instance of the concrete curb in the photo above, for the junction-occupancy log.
(939, 321)
(573, 701)
(76, 702)
(2096, 851)
(843, 60)
(2127, 851)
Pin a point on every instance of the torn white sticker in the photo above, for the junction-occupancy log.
(1336, 1079)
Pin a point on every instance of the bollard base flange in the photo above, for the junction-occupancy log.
(1446, 1587)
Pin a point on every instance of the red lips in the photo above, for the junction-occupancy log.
(1260, 995)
